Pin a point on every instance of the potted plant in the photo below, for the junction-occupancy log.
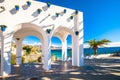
(48, 31)
(76, 12)
(48, 4)
(17, 7)
(39, 11)
(76, 32)
(28, 3)
(71, 17)
(17, 38)
(64, 10)
(3, 27)
(57, 14)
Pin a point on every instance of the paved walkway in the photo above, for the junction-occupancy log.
(94, 69)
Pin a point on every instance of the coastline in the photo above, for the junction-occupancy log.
(102, 56)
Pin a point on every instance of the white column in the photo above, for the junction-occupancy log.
(64, 50)
(18, 52)
(5, 54)
(78, 55)
(2, 54)
(75, 51)
(81, 41)
(81, 55)
(47, 54)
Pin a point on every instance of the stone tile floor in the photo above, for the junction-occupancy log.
(94, 69)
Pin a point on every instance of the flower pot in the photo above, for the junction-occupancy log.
(71, 17)
(76, 12)
(64, 10)
(39, 11)
(48, 31)
(3, 28)
(16, 7)
(76, 33)
(17, 38)
(48, 4)
(57, 14)
(28, 3)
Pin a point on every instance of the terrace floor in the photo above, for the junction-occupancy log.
(94, 69)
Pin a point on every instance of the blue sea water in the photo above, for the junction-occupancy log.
(87, 51)
(58, 53)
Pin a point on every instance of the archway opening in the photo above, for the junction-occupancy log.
(31, 49)
(69, 47)
(65, 35)
(56, 51)
(28, 39)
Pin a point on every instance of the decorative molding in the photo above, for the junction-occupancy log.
(44, 18)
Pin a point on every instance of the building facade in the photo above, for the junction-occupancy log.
(22, 18)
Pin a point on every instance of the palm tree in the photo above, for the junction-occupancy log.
(94, 44)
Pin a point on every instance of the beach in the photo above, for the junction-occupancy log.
(99, 68)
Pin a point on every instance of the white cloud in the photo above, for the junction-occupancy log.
(35, 43)
(56, 45)
(86, 45)
(113, 44)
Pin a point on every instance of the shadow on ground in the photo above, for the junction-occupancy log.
(94, 69)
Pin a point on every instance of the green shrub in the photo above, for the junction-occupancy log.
(40, 59)
(23, 59)
(32, 61)
(53, 58)
(13, 59)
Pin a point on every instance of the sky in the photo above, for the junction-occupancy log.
(101, 18)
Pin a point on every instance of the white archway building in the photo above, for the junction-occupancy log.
(24, 18)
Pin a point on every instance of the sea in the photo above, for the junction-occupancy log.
(87, 51)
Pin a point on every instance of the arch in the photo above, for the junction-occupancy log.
(62, 33)
(22, 27)
(63, 28)
(34, 44)
(26, 29)
(55, 48)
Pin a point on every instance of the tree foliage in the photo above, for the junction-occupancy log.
(28, 49)
(94, 44)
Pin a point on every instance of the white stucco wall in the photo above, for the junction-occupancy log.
(22, 16)
(22, 23)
